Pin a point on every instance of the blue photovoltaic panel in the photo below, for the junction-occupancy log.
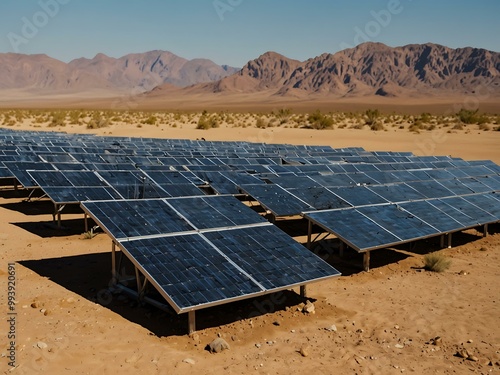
(358, 195)
(270, 256)
(133, 184)
(486, 202)
(456, 186)
(398, 222)
(397, 192)
(20, 171)
(320, 198)
(276, 199)
(182, 190)
(475, 185)
(425, 211)
(431, 189)
(492, 182)
(215, 211)
(136, 218)
(354, 228)
(50, 178)
(189, 270)
(464, 212)
(295, 182)
(72, 194)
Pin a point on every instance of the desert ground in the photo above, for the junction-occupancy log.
(384, 321)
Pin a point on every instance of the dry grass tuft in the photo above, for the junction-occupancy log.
(436, 262)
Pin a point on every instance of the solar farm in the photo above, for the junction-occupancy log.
(198, 219)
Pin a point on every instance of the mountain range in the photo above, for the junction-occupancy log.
(370, 69)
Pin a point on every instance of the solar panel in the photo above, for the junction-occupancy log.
(73, 194)
(431, 189)
(358, 195)
(270, 256)
(320, 198)
(136, 218)
(425, 211)
(397, 192)
(276, 199)
(354, 228)
(189, 271)
(464, 212)
(196, 269)
(215, 211)
(133, 184)
(398, 222)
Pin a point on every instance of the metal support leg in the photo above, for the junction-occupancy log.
(341, 249)
(303, 291)
(309, 233)
(449, 241)
(366, 261)
(113, 263)
(192, 322)
(85, 219)
(441, 241)
(485, 230)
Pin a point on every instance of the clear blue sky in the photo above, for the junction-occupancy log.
(235, 31)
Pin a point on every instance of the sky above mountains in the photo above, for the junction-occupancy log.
(235, 31)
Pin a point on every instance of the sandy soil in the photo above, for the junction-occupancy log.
(67, 322)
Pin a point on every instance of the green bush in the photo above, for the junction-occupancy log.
(436, 262)
(207, 122)
(317, 120)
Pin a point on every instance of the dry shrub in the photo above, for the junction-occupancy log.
(436, 262)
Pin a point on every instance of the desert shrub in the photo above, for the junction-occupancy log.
(484, 127)
(207, 122)
(471, 117)
(261, 123)
(371, 116)
(458, 127)
(436, 262)
(151, 120)
(317, 120)
(377, 126)
(425, 117)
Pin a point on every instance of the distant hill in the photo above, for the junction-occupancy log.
(370, 69)
(140, 71)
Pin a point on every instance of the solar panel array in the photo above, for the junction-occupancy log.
(204, 251)
(368, 199)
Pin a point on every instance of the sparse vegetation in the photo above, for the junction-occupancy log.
(436, 262)
(317, 120)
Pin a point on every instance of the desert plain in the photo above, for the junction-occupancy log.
(396, 318)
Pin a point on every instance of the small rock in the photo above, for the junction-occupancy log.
(35, 305)
(436, 340)
(276, 323)
(292, 331)
(195, 337)
(309, 308)
(70, 300)
(332, 328)
(399, 346)
(218, 345)
(462, 273)
(472, 358)
(462, 353)
(396, 327)
(304, 351)
(44, 311)
(270, 342)
(469, 341)
(189, 361)
(41, 345)
(234, 338)
(258, 346)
